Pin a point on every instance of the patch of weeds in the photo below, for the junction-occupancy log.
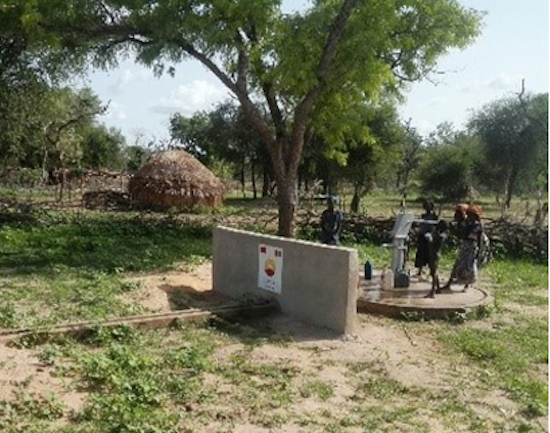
(120, 413)
(193, 358)
(455, 412)
(45, 406)
(481, 312)
(318, 388)
(507, 356)
(270, 420)
(381, 388)
(72, 268)
(130, 286)
(457, 317)
(262, 386)
(306, 419)
(333, 427)
(102, 335)
(8, 315)
(520, 281)
(32, 339)
(362, 366)
(412, 316)
(388, 419)
(50, 354)
(136, 381)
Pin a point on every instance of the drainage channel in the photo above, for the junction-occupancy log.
(158, 320)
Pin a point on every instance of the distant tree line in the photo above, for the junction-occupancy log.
(315, 96)
(503, 152)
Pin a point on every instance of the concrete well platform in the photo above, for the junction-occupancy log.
(393, 303)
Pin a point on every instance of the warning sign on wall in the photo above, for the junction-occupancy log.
(270, 270)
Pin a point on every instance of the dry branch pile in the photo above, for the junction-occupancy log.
(507, 237)
(105, 200)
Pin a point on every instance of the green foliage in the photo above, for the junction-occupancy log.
(312, 70)
(520, 281)
(222, 139)
(104, 243)
(515, 137)
(317, 388)
(71, 269)
(512, 351)
(507, 355)
(449, 165)
(46, 406)
(102, 147)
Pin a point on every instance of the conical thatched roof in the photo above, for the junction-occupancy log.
(175, 178)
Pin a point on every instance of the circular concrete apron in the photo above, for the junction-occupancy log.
(398, 302)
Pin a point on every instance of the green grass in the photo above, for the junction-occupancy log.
(65, 267)
(520, 281)
(318, 388)
(508, 359)
(147, 382)
(512, 354)
(102, 242)
(71, 267)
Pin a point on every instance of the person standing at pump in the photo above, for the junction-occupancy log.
(470, 229)
(331, 222)
(422, 257)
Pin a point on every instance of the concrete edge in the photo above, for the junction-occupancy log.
(152, 321)
(279, 238)
(430, 312)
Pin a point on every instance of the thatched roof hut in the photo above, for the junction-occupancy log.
(175, 179)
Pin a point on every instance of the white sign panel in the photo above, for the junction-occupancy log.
(270, 270)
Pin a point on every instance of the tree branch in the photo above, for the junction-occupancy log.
(267, 89)
(327, 57)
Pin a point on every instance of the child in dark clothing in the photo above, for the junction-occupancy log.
(331, 223)
(436, 239)
(422, 257)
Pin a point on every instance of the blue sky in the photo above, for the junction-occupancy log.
(512, 47)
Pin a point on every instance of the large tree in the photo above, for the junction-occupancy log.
(102, 147)
(308, 68)
(514, 132)
(371, 155)
(449, 164)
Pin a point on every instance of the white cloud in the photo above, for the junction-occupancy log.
(198, 95)
(438, 101)
(502, 82)
(128, 75)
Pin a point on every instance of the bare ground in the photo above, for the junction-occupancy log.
(406, 354)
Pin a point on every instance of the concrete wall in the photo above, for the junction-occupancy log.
(319, 282)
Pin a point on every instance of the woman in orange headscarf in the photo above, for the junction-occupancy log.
(469, 230)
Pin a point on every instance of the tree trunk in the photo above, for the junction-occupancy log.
(286, 201)
(254, 191)
(62, 187)
(45, 174)
(266, 181)
(356, 201)
(510, 185)
(243, 179)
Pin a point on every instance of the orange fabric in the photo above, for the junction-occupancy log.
(474, 209)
